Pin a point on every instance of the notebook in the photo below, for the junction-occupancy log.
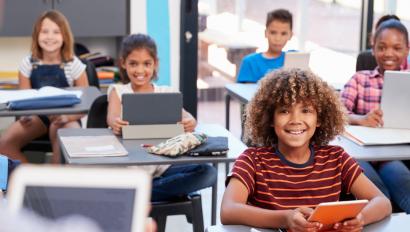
(395, 101)
(297, 60)
(152, 108)
(93, 146)
(117, 199)
(364, 135)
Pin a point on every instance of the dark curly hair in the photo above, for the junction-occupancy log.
(286, 87)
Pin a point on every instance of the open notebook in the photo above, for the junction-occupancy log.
(93, 146)
(116, 199)
(377, 136)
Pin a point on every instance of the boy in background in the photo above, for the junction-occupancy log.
(278, 32)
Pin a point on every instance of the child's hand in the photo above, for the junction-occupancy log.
(189, 124)
(59, 120)
(297, 220)
(25, 120)
(117, 125)
(353, 225)
(373, 119)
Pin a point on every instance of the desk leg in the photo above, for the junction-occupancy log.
(214, 197)
(227, 110)
(62, 158)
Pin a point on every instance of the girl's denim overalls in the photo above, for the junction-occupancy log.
(47, 75)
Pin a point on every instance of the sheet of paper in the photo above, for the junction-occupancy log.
(93, 146)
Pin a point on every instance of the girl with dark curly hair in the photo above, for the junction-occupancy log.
(291, 169)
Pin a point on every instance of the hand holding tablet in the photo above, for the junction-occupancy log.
(330, 213)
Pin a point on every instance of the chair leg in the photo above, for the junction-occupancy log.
(197, 217)
(161, 223)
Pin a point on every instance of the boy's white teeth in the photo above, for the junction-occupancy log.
(296, 132)
(140, 78)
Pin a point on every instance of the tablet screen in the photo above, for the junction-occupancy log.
(110, 208)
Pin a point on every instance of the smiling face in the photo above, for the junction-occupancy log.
(140, 67)
(278, 34)
(50, 38)
(390, 49)
(294, 126)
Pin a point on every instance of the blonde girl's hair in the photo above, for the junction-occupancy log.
(67, 49)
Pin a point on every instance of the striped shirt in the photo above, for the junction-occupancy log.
(275, 183)
(362, 93)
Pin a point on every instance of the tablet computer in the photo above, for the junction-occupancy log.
(297, 60)
(330, 213)
(395, 100)
(152, 108)
(117, 199)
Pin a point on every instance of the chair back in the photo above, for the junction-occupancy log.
(365, 61)
(91, 73)
(97, 116)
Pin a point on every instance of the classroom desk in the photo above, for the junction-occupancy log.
(138, 156)
(241, 92)
(87, 98)
(373, 153)
(396, 222)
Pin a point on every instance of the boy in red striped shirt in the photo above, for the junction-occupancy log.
(291, 169)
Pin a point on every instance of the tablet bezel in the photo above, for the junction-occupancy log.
(88, 177)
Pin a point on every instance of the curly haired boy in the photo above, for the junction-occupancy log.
(291, 169)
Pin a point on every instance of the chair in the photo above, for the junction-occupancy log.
(42, 144)
(365, 61)
(97, 115)
(91, 73)
(190, 205)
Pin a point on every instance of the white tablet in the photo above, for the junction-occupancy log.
(297, 60)
(395, 101)
(116, 199)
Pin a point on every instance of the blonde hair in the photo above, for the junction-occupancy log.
(285, 88)
(67, 49)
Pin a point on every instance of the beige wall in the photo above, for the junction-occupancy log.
(12, 51)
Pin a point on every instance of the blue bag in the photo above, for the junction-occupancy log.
(6, 168)
(44, 102)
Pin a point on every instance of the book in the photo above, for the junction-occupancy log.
(329, 213)
(93, 146)
(23, 94)
(377, 135)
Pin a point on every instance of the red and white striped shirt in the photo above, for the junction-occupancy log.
(275, 183)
